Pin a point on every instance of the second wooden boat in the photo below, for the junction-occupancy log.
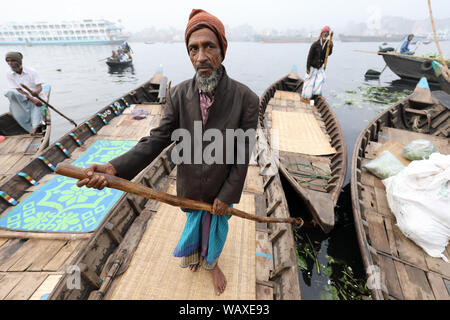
(19, 146)
(310, 140)
(412, 68)
(396, 267)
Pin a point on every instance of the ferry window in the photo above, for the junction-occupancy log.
(44, 27)
(88, 25)
(39, 27)
(77, 32)
(83, 31)
(81, 25)
(20, 39)
(94, 25)
(59, 32)
(89, 31)
(32, 27)
(66, 32)
(28, 27)
(51, 26)
(57, 26)
(101, 25)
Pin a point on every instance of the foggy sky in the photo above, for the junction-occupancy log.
(280, 14)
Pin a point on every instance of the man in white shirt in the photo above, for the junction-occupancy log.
(25, 107)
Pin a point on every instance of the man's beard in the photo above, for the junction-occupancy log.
(208, 84)
(16, 69)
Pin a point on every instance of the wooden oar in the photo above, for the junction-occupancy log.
(149, 193)
(327, 52)
(48, 105)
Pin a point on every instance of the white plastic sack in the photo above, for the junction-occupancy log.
(419, 197)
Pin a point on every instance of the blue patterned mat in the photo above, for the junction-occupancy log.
(60, 206)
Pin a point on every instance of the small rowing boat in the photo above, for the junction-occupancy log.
(310, 140)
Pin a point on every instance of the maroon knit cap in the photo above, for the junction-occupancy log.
(199, 19)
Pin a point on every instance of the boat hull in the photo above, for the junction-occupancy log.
(389, 257)
(411, 68)
(320, 200)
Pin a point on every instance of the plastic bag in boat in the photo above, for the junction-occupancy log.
(419, 197)
(419, 149)
(385, 166)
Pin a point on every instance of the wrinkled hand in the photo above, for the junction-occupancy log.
(96, 181)
(36, 102)
(219, 207)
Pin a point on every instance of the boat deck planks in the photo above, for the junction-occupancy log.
(246, 259)
(406, 271)
(27, 266)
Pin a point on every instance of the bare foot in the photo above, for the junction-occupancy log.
(193, 267)
(219, 280)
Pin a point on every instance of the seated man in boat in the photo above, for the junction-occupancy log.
(114, 56)
(24, 107)
(211, 100)
(315, 74)
(405, 46)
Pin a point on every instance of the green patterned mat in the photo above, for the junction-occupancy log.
(60, 206)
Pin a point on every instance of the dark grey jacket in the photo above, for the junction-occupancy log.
(235, 106)
(316, 56)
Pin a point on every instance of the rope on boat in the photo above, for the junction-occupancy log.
(306, 176)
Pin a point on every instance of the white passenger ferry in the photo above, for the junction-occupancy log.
(66, 32)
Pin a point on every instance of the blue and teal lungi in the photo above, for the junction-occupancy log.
(204, 236)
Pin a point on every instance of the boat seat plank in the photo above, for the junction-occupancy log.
(46, 255)
(26, 248)
(438, 286)
(26, 286)
(64, 256)
(438, 265)
(264, 256)
(46, 287)
(389, 278)
(414, 282)
(377, 233)
(408, 250)
(34, 254)
(8, 283)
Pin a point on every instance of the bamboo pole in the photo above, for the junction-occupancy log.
(328, 52)
(435, 37)
(445, 74)
(149, 193)
(43, 235)
(49, 105)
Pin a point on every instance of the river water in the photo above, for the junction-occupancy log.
(82, 84)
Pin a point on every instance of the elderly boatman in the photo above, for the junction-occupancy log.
(210, 100)
(315, 74)
(25, 108)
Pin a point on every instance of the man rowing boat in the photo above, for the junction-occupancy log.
(213, 102)
(24, 107)
(315, 73)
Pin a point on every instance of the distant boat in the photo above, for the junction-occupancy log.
(149, 42)
(118, 64)
(64, 33)
(382, 38)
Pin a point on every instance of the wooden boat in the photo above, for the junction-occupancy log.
(19, 146)
(31, 262)
(396, 267)
(410, 67)
(107, 263)
(118, 64)
(318, 179)
(443, 81)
